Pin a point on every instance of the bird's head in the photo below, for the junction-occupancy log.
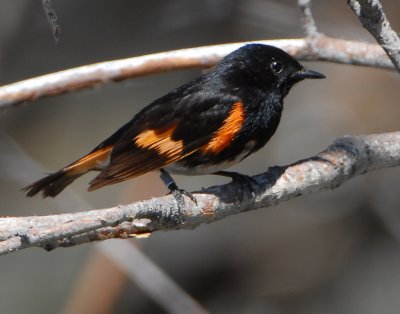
(266, 67)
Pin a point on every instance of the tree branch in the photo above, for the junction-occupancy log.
(321, 48)
(308, 20)
(52, 19)
(372, 17)
(345, 158)
(150, 278)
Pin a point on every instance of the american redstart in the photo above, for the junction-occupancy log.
(202, 127)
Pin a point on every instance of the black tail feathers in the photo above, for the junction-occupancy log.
(52, 184)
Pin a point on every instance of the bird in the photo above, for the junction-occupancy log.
(202, 127)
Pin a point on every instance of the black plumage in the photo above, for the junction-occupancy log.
(201, 127)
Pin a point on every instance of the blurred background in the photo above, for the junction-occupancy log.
(331, 252)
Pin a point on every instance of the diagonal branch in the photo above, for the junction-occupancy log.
(52, 19)
(308, 20)
(372, 17)
(316, 48)
(150, 278)
(347, 157)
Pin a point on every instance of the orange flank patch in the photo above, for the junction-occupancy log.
(227, 132)
(161, 142)
(93, 161)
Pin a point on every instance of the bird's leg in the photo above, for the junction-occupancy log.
(242, 179)
(174, 190)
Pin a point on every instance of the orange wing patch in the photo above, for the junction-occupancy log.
(93, 161)
(227, 132)
(161, 142)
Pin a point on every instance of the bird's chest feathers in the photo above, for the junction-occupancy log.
(262, 118)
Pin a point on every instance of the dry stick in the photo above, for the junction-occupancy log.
(372, 17)
(150, 278)
(345, 158)
(52, 19)
(318, 48)
(308, 20)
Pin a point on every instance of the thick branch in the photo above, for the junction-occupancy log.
(317, 48)
(345, 158)
(372, 17)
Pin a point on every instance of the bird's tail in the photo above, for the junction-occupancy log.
(54, 183)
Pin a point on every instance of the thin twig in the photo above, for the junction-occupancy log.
(372, 17)
(52, 19)
(150, 278)
(323, 48)
(309, 25)
(344, 159)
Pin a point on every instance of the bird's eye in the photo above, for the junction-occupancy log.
(276, 67)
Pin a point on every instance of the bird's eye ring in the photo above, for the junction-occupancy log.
(276, 67)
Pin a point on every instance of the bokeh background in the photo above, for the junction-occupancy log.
(331, 252)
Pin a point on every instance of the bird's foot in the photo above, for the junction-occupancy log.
(178, 195)
(175, 191)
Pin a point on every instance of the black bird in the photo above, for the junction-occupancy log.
(202, 127)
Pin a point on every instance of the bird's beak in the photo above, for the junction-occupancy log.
(307, 74)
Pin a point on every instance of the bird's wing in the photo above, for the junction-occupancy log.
(170, 130)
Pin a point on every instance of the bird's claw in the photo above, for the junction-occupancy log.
(178, 195)
(175, 191)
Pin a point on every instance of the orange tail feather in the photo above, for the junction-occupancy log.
(54, 183)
